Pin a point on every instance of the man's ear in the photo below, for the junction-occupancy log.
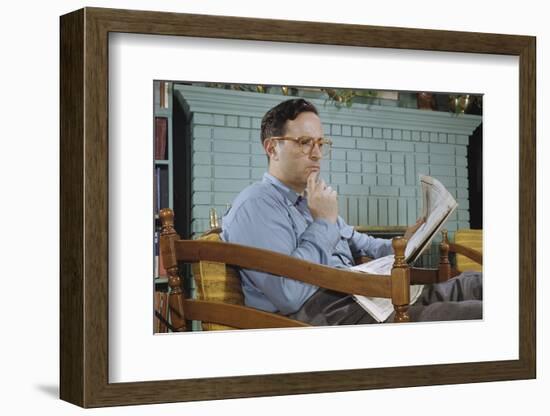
(270, 147)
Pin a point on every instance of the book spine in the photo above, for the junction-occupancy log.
(158, 190)
(156, 94)
(160, 271)
(162, 93)
(163, 187)
(156, 251)
(166, 94)
(161, 138)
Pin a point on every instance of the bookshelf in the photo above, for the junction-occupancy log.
(163, 179)
(166, 159)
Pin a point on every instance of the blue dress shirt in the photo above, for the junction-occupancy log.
(271, 216)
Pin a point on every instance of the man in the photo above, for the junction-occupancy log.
(293, 211)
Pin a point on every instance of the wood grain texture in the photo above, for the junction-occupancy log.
(236, 316)
(228, 27)
(209, 252)
(527, 208)
(84, 206)
(71, 219)
(421, 276)
(279, 264)
(168, 236)
(467, 251)
(95, 205)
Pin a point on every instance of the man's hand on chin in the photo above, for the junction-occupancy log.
(321, 199)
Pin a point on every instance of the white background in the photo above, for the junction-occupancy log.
(130, 186)
(30, 149)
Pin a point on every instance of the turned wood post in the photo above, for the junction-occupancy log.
(168, 236)
(444, 272)
(400, 281)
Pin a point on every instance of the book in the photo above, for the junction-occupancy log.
(159, 270)
(161, 137)
(437, 205)
(156, 190)
(163, 188)
(162, 94)
(156, 253)
(166, 94)
(161, 197)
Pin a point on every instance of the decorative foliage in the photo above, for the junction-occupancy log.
(345, 97)
(457, 103)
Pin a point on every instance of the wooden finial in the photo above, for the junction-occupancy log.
(214, 222)
(167, 220)
(168, 237)
(444, 248)
(444, 235)
(399, 244)
(444, 264)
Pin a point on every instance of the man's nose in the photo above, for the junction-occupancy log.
(316, 153)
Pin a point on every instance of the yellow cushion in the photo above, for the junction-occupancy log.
(472, 239)
(216, 282)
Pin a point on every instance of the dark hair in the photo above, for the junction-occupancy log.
(274, 120)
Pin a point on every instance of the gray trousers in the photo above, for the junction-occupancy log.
(459, 298)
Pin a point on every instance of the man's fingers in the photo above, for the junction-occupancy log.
(311, 181)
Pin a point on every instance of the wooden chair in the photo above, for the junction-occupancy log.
(211, 256)
(161, 312)
(468, 245)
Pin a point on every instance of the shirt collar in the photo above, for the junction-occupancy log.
(292, 196)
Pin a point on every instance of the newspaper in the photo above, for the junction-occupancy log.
(437, 205)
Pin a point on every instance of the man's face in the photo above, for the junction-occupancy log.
(289, 164)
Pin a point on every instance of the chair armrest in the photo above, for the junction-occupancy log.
(467, 251)
(278, 264)
(237, 316)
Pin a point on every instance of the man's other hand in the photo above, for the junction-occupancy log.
(412, 229)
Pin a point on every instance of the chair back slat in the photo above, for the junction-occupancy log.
(216, 282)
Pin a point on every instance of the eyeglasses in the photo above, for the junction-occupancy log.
(307, 143)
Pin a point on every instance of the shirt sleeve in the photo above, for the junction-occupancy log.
(362, 244)
(264, 224)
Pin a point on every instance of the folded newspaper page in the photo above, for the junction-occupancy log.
(437, 205)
